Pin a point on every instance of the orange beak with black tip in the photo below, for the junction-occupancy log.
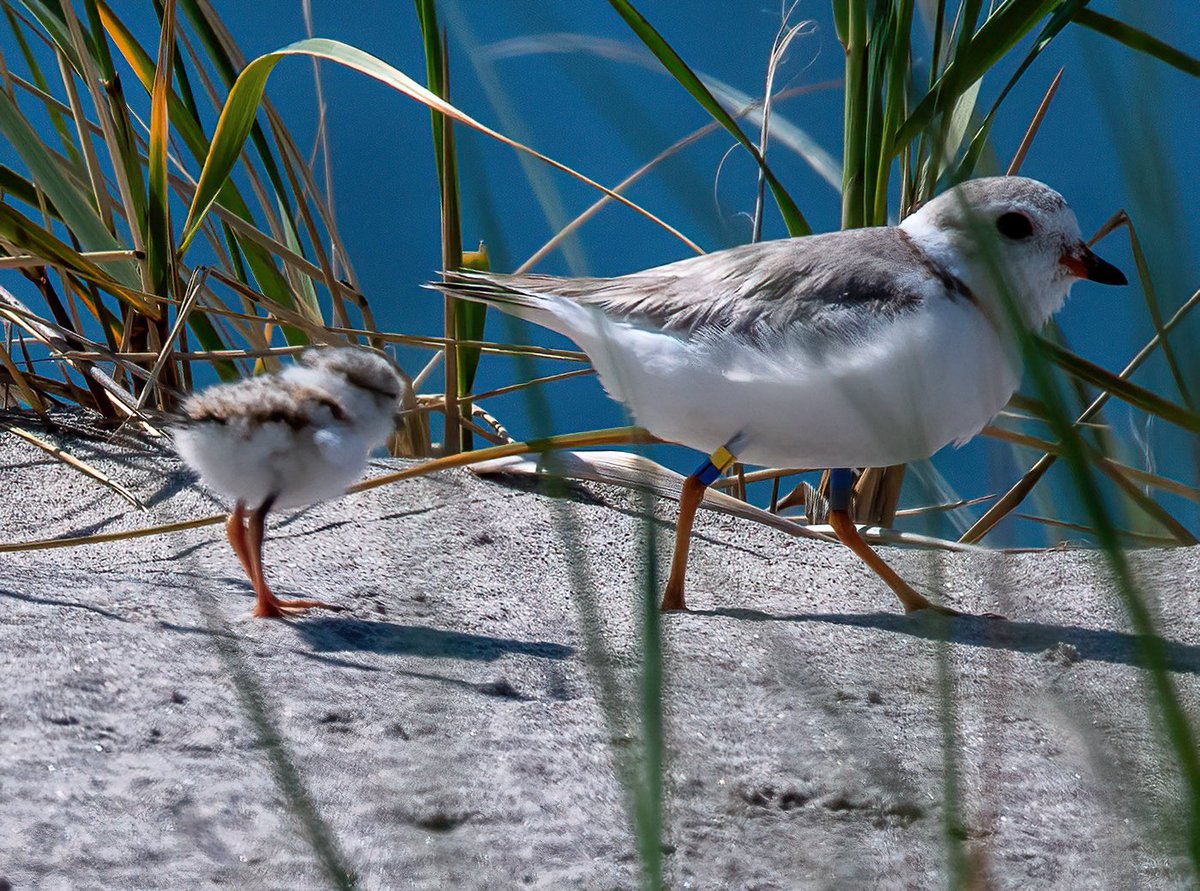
(1084, 264)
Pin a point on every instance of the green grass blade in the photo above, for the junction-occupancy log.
(437, 75)
(855, 115)
(958, 119)
(998, 35)
(227, 68)
(39, 79)
(56, 27)
(793, 219)
(27, 235)
(648, 798)
(1060, 19)
(1155, 313)
(15, 186)
(232, 130)
(181, 76)
(435, 48)
(1139, 40)
(1171, 715)
(123, 147)
(309, 303)
(100, 48)
(897, 69)
(1148, 505)
(238, 116)
(1175, 722)
(783, 131)
(545, 191)
(270, 281)
(841, 20)
(939, 25)
(75, 208)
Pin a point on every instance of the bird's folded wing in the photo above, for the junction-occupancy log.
(819, 284)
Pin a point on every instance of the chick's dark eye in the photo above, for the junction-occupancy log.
(1015, 225)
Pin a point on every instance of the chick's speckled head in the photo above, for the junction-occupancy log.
(360, 367)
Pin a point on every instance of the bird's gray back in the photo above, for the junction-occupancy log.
(834, 287)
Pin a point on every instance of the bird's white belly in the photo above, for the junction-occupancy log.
(251, 464)
(931, 377)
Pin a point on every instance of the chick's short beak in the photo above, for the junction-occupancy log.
(1084, 264)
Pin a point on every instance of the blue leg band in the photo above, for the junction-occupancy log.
(707, 473)
(841, 484)
(714, 466)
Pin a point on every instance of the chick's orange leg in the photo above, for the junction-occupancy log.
(235, 528)
(267, 605)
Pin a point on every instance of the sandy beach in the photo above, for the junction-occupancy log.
(446, 731)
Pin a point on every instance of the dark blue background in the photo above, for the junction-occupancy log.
(1122, 132)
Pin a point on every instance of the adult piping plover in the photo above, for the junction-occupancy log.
(866, 347)
(288, 439)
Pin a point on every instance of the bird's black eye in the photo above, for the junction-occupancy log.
(1015, 225)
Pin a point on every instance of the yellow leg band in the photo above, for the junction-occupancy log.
(722, 458)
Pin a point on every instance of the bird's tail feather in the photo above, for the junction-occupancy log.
(498, 291)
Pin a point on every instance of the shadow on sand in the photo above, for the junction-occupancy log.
(998, 634)
(345, 635)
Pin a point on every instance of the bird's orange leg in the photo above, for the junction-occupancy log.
(848, 534)
(268, 606)
(841, 483)
(689, 501)
(235, 528)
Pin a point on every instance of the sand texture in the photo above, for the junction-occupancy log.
(447, 729)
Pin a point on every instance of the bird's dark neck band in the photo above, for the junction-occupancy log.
(954, 285)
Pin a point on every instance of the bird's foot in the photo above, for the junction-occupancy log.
(274, 608)
(673, 601)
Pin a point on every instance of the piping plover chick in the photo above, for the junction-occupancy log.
(867, 347)
(286, 440)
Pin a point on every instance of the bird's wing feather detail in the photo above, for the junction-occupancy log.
(816, 285)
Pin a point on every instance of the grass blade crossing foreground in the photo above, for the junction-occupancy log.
(1171, 715)
(1139, 397)
(297, 799)
(1025, 485)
